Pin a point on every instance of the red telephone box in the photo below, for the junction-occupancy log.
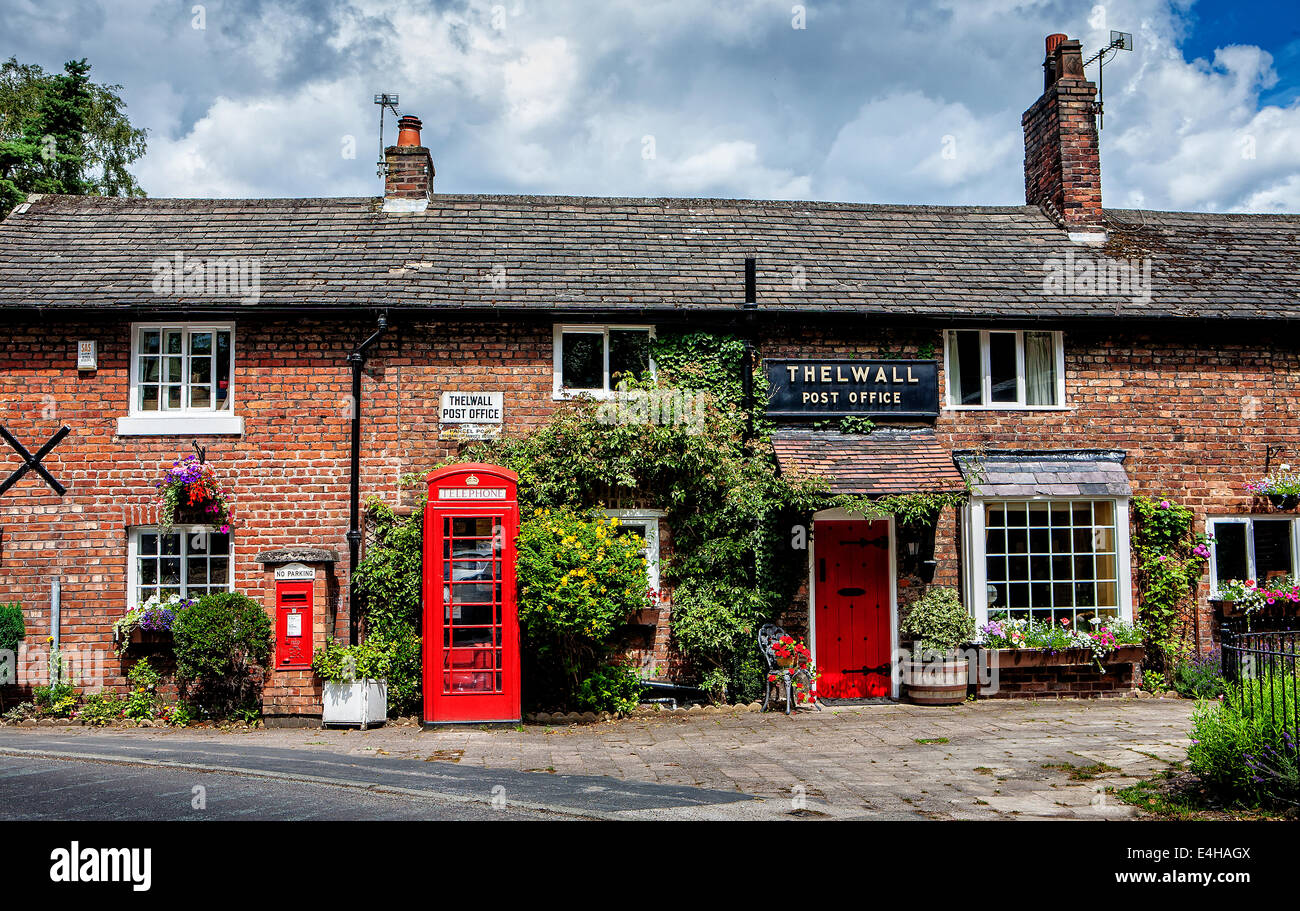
(471, 624)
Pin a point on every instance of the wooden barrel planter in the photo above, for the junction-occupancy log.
(936, 682)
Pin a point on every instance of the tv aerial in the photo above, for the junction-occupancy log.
(385, 100)
(1119, 41)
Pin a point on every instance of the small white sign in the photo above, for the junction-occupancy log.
(293, 625)
(294, 572)
(86, 355)
(472, 408)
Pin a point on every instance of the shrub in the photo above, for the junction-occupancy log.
(1247, 757)
(222, 645)
(580, 581)
(12, 628)
(937, 621)
(56, 700)
(1200, 677)
(395, 660)
(143, 701)
(99, 709)
(610, 688)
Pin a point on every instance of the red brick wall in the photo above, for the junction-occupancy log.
(1193, 408)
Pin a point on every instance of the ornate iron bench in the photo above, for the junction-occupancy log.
(786, 677)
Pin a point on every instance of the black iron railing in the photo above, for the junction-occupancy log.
(1261, 671)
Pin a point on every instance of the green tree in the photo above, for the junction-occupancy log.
(61, 133)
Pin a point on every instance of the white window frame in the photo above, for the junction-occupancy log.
(1248, 519)
(133, 555)
(183, 421)
(558, 390)
(650, 519)
(977, 562)
(1058, 346)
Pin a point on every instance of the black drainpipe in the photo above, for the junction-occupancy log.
(357, 359)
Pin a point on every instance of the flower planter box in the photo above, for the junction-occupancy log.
(1041, 657)
(1284, 500)
(363, 703)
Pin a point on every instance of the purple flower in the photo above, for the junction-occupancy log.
(1164, 504)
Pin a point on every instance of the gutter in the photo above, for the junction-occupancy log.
(357, 360)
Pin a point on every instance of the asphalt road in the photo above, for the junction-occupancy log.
(60, 789)
(50, 776)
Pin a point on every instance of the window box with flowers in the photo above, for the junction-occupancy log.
(1281, 487)
(149, 625)
(1269, 598)
(1025, 642)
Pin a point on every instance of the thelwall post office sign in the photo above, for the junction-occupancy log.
(471, 415)
(819, 388)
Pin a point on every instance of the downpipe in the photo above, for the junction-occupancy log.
(357, 360)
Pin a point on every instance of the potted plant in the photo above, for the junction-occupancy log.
(1281, 487)
(189, 493)
(937, 624)
(356, 682)
(788, 651)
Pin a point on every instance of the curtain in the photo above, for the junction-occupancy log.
(1040, 369)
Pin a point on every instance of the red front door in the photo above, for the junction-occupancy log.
(852, 596)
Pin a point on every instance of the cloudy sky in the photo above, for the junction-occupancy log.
(892, 102)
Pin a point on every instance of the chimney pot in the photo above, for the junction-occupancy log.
(408, 130)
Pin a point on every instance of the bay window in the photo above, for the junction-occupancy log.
(1050, 559)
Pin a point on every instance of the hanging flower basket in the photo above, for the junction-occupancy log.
(1281, 487)
(1275, 597)
(189, 494)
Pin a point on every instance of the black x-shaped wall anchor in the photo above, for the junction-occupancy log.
(33, 462)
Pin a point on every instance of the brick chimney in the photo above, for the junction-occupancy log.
(408, 170)
(1062, 164)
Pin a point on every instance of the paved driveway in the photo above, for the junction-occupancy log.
(993, 759)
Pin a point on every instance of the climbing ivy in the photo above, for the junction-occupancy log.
(1169, 560)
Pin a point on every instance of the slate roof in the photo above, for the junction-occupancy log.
(1056, 473)
(589, 255)
(887, 460)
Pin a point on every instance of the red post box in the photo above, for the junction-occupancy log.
(471, 624)
(293, 621)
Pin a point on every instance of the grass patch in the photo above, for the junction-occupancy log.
(1081, 772)
(1177, 794)
(983, 770)
(932, 740)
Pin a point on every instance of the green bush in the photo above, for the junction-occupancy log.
(396, 660)
(580, 581)
(222, 645)
(937, 622)
(58, 700)
(1248, 757)
(99, 709)
(388, 582)
(143, 702)
(610, 688)
(12, 628)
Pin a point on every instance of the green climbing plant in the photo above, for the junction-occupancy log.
(1169, 558)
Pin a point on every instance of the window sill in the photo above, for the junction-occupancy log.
(569, 395)
(1008, 407)
(180, 425)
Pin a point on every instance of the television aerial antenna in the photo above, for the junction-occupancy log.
(1119, 41)
(385, 100)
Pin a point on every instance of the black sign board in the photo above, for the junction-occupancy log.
(834, 389)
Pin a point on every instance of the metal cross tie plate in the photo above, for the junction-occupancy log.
(33, 462)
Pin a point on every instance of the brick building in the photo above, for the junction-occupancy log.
(1080, 355)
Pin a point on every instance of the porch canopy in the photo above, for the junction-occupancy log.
(1046, 473)
(888, 460)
